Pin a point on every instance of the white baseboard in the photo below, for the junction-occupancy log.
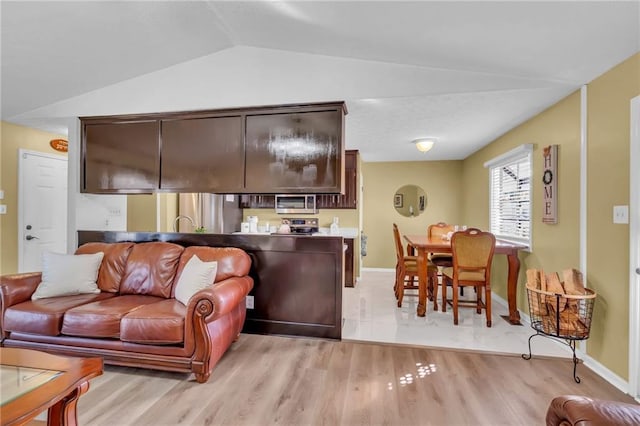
(500, 300)
(589, 362)
(378, 269)
(604, 372)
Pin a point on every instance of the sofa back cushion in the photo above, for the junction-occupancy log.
(113, 263)
(232, 261)
(151, 269)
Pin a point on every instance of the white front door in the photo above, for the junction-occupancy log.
(42, 207)
(634, 252)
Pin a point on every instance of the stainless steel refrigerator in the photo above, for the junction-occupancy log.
(216, 213)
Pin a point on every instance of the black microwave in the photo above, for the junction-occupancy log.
(296, 203)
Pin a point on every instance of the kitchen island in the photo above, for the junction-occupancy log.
(297, 279)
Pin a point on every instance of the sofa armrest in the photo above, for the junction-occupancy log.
(579, 410)
(18, 288)
(222, 298)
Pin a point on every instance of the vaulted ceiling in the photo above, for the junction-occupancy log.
(463, 72)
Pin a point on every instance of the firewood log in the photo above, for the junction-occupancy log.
(555, 286)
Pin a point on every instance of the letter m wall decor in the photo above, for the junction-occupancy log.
(550, 184)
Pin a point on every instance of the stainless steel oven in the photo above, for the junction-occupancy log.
(302, 226)
(296, 203)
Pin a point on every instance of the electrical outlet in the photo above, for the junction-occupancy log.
(620, 214)
(1, 194)
(249, 302)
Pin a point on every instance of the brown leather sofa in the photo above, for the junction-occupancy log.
(135, 319)
(582, 411)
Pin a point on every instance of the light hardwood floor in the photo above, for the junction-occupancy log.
(268, 380)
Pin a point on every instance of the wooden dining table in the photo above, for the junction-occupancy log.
(423, 245)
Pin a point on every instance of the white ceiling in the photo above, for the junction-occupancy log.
(464, 72)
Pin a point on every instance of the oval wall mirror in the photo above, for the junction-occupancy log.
(410, 200)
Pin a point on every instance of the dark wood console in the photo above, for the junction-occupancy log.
(297, 279)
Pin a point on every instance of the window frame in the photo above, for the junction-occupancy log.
(522, 152)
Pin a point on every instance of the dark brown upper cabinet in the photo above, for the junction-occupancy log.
(349, 199)
(296, 151)
(257, 201)
(120, 156)
(202, 155)
(259, 150)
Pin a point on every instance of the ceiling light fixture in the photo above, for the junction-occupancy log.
(424, 144)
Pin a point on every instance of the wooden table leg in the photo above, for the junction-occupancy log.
(422, 282)
(512, 287)
(64, 412)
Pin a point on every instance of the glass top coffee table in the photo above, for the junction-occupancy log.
(33, 381)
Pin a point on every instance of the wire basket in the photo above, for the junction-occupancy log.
(561, 315)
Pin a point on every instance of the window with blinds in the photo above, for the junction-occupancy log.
(510, 192)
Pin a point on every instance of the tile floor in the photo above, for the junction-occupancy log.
(370, 314)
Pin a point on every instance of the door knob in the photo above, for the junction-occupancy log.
(31, 237)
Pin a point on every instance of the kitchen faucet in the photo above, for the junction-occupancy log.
(182, 216)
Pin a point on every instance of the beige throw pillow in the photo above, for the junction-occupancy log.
(195, 276)
(66, 274)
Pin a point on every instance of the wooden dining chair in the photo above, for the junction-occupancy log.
(407, 275)
(438, 230)
(472, 255)
(440, 260)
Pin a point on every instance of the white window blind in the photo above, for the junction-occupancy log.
(510, 192)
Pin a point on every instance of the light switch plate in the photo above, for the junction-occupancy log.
(3, 209)
(620, 214)
(249, 302)
(1, 194)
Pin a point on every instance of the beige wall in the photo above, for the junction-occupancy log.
(608, 185)
(142, 212)
(168, 211)
(13, 138)
(441, 181)
(556, 247)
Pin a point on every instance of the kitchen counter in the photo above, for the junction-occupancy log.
(297, 279)
(343, 232)
(322, 232)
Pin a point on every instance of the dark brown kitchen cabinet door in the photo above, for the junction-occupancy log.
(348, 200)
(349, 280)
(295, 152)
(257, 201)
(120, 157)
(327, 201)
(202, 155)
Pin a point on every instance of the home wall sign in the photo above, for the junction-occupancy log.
(59, 145)
(550, 184)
